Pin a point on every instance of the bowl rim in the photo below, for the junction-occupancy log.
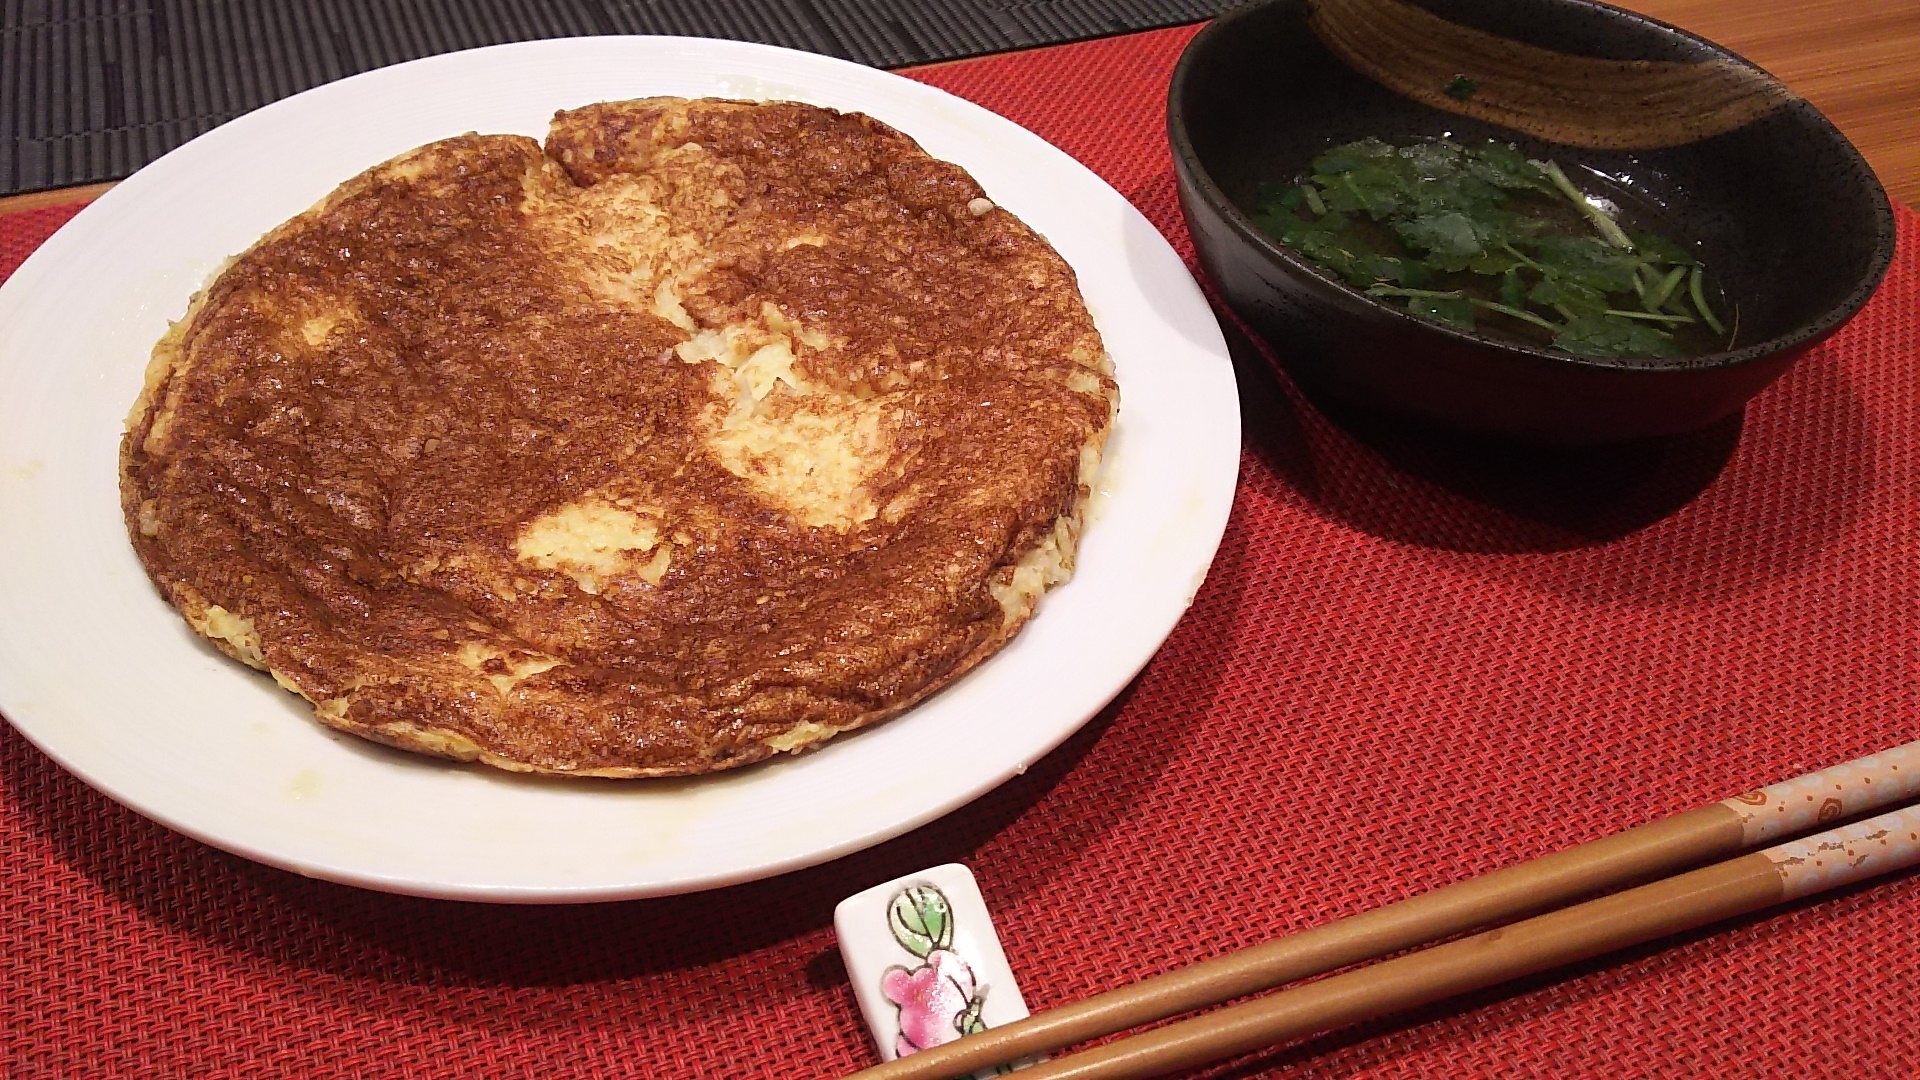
(1807, 334)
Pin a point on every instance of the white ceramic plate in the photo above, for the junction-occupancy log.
(98, 671)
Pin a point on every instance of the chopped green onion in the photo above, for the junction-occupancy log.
(1650, 316)
(1526, 316)
(1314, 201)
(1609, 229)
(1662, 289)
(1429, 294)
(1698, 288)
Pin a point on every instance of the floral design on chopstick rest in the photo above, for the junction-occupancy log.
(1829, 794)
(926, 965)
(1878, 845)
(941, 999)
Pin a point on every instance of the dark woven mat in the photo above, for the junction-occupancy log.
(91, 90)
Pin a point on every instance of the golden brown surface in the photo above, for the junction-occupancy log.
(711, 431)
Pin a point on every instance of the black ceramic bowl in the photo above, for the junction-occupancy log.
(1779, 205)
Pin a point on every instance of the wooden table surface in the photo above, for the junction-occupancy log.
(1858, 61)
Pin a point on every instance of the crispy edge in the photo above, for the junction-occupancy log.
(171, 358)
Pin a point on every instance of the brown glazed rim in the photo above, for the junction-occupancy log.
(1808, 333)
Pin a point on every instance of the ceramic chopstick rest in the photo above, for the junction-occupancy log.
(925, 962)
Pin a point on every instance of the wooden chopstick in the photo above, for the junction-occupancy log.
(1800, 868)
(1652, 850)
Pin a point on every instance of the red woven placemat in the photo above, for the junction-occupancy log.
(1412, 663)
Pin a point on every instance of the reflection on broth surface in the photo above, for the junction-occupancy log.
(1483, 238)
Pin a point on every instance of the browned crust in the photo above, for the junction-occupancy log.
(367, 620)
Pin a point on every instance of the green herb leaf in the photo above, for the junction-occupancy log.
(1608, 336)
(1349, 156)
(1513, 289)
(1289, 199)
(1331, 242)
(1457, 311)
(1502, 165)
(1434, 159)
(1448, 228)
(1391, 268)
(1326, 241)
(1377, 190)
(1451, 234)
(1563, 294)
(1660, 250)
(1585, 259)
(1265, 191)
(1496, 262)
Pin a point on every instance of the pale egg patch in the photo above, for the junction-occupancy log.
(594, 542)
(810, 450)
(505, 669)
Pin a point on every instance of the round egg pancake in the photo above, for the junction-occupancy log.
(709, 430)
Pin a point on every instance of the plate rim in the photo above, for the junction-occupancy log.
(1212, 524)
